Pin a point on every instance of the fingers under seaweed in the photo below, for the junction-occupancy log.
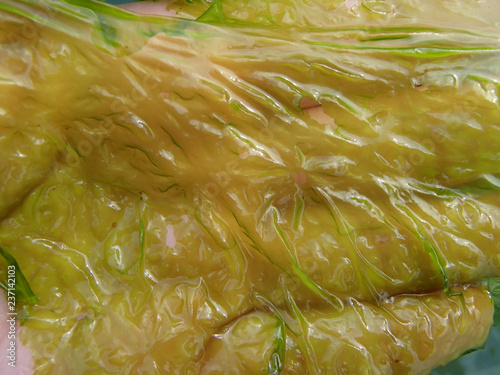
(408, 334)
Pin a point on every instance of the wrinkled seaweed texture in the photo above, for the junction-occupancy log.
(289, 187)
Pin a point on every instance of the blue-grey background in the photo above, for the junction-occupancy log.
(481, 362)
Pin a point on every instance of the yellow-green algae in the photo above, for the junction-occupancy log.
(177, 208)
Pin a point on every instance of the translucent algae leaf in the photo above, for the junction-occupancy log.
(21, 287)
(279, 187)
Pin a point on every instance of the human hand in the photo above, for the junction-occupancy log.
(246, 228)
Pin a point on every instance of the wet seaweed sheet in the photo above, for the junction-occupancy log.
(273, 172)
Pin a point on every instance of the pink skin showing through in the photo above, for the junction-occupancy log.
(15, 358)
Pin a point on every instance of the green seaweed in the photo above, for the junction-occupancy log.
(484, 184)
(431, 250)
(277, 359)
(217, 223)
(299, 211)
(299, 272)
(213, 14)
(23, 291)
(142, 239)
